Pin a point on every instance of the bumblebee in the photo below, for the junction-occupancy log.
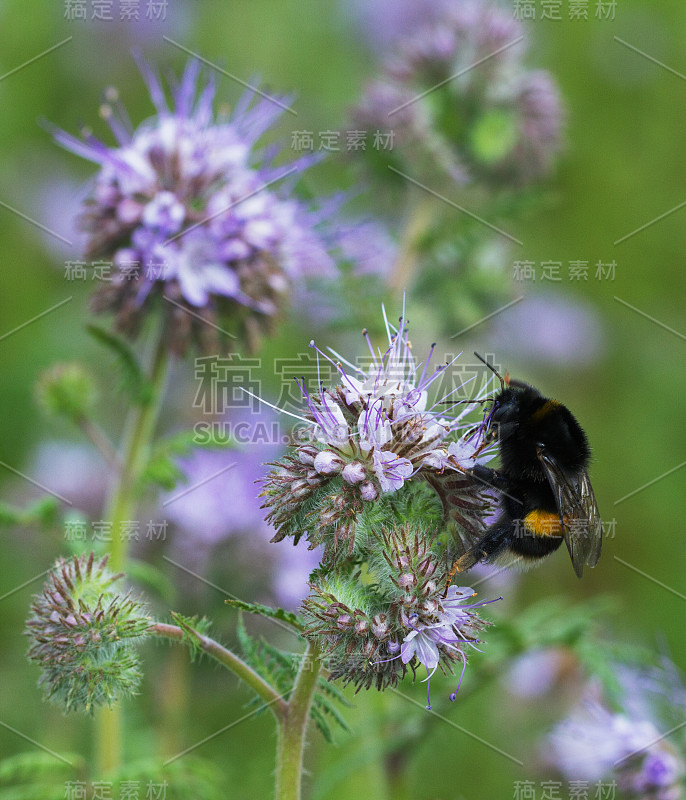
(543, 485)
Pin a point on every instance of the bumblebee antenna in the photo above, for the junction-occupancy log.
(457, 402)
(493, 370)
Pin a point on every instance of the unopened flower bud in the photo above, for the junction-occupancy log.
(368, 491)
(344, 622)
(354, 472)
(380, 626)
(407, 580)
(314, 478)
(129, 211)
(328, 463)
(67, 389)
(82, 634)
(427, 567)
(307, 454)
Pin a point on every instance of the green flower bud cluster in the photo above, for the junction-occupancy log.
(83, 633)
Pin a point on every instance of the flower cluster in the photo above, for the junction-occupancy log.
(406, 617)
(184, 208)
(368, 438)
(82, 631)
(595, 742)
(458, 97)
(381, 471)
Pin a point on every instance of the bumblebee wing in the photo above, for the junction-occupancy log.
(579, 515)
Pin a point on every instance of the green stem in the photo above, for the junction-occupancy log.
(139, 430)
(293, 727)
(140, 427)
(420, 219)
(227, 659)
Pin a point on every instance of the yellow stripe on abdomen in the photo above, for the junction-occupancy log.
(546, 408)
(543, 523)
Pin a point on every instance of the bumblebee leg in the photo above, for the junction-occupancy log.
(465, 562)
(487, 476)
(496, 539)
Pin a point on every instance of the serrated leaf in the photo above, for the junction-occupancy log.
(280, 668)
(25, 766)
(192, 627)
(324, 708)
(322, 724)
(133, 379)
(296, 622)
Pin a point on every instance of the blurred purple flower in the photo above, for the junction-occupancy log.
(225, 505)
(383, 22)
(551, 329)
(535, 673)
(367, 246)
(183, 207)
(225, 501)
(460, 101)
(73, 470)
(594, 743)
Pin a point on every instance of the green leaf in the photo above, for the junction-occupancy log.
(182, 778)
(324, 709)
(133, 379)
(44, 513)
(191, 627)
(24, 766)
(183, 442)
(163, 469)
(288, 617)
(280, 668)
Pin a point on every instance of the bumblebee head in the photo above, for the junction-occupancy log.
(504, 415)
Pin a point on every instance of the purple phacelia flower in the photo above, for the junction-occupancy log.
(189, 212)
(384, 22)
(460, 101)
(595, 743)
(370, 436)
(455, 629)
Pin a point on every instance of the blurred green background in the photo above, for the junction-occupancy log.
(623, 167)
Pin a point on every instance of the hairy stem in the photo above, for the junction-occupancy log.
(139, 429)
(293, 728)
(227, 659)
